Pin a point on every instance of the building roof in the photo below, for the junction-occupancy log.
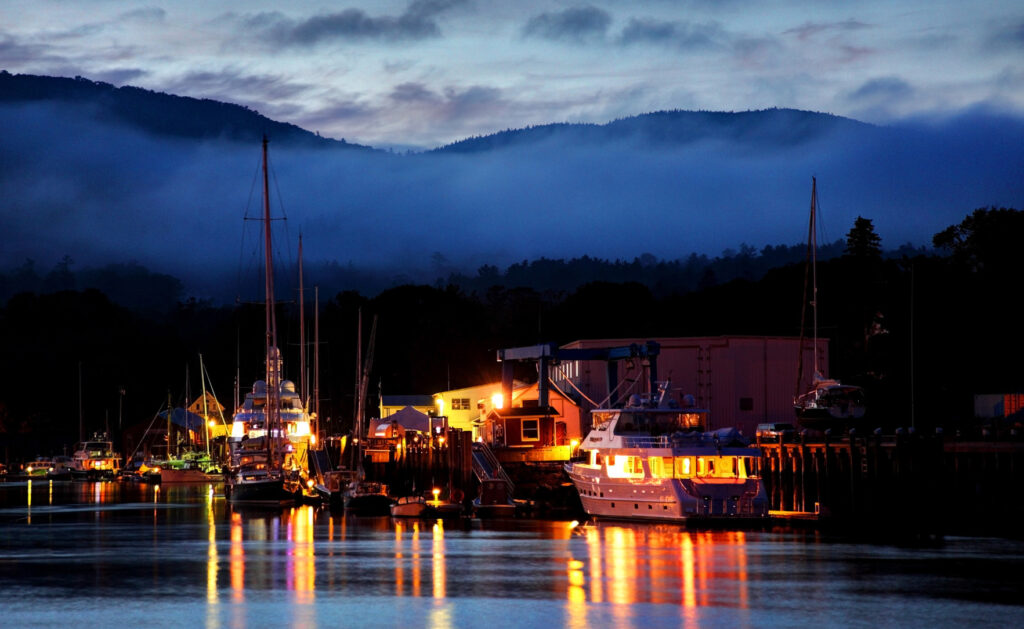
(407, 400)
(527, 411)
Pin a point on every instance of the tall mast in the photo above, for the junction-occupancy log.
(810, 282)
(814, 268)
(206, 410)
(303, 385)
(273, 387)
(316, 355)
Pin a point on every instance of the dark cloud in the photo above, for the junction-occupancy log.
(888, 88)
(682, 34)
(575, 24)
(414, 93)
(120, 76)
(150, 14)
(417, 22)
(1009, 36)
(236, 86)
(812, 29)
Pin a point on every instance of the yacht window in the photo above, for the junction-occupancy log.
(684, 466)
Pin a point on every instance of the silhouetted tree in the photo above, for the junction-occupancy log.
(862, 241)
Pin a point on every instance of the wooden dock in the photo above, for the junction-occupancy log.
(905, 482)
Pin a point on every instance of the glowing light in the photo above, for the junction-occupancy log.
(312, 440)
(498, 401)
(437, 492)
(440, 405)
(237, 430)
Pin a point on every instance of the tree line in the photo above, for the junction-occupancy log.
(923, 331)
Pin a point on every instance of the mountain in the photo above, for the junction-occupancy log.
(158, 113)
(763, 128)
(94, 175)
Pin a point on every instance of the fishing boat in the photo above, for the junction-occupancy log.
(60, 468)
(270, 433)
(493, 500)
(828, 404)
(412, 507)
(365, 497)
(651, 460)
(95, 459)
(39, 467)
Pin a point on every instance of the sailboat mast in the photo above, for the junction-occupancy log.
(206, 410)
(316, 356)
(273, 389)
(810, 270)
(303, 384)
(813, 240)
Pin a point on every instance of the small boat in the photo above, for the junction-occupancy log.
(494, 501)
(828, 404)
(37, 468)
(413, 507)
(95, 459)
(190, 467)
(60, 469)
(651, 460)
(364, 497)
(259, 484)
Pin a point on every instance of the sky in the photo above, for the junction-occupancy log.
(420, 74)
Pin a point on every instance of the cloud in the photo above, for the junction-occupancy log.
(575, 24)
(809, 30)
(1008, 36)
(417, 22)
(888, 88)
(686, 35)
(232, 85)
(120, 76)
(147, 14)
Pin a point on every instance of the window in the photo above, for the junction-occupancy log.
(746, 403)
(460, 404)
(531, 430)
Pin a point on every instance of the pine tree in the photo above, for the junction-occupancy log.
(862, 241)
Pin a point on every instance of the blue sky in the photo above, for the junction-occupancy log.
(429, 72)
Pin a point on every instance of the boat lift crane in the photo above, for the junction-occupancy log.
(548, 354)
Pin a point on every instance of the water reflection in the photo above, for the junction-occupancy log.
(629, 564)
(184, 552)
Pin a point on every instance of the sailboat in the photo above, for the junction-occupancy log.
(270, 431)
(363, 496)
(829, 404)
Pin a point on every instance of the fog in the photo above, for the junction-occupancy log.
(103, 194)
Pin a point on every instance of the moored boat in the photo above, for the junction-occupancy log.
(270, 432)
(412, 507)
(651, 460)
(827, 404)
(95, 459)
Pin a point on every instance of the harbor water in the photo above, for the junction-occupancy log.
(133, 555)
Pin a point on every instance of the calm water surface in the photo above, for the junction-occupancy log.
(123, 555)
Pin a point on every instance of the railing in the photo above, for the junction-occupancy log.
(487, 466)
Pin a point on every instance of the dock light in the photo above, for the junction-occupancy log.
(211, 424)
(312, 440)
(440, 405)
(440, 441)
(29, 469)
(310, 483)
(498, 401)
(437, 492)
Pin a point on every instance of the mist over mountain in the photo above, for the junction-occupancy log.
(110, 175)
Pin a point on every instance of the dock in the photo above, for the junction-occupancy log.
(906, 482)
